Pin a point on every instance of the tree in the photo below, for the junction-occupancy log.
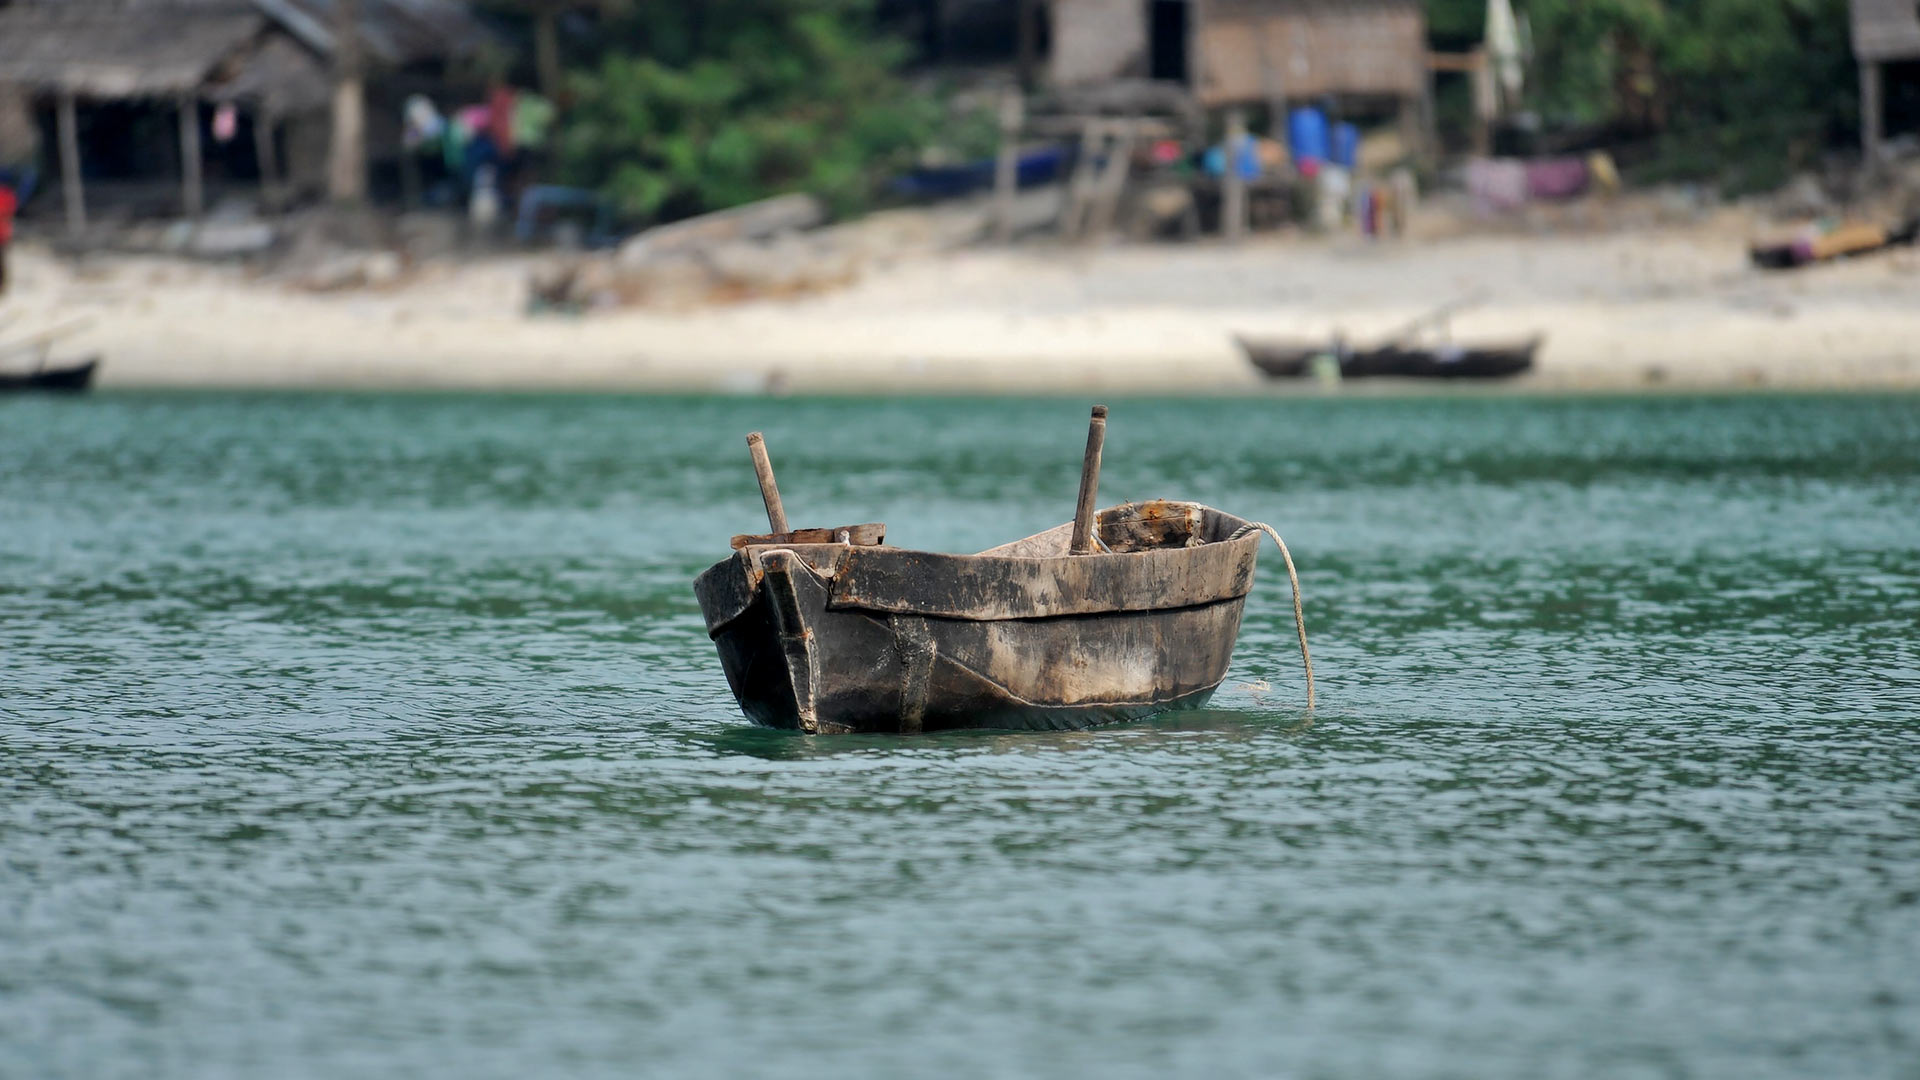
(698, 106)
(1743, 91)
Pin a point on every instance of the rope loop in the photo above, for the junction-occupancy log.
(1299, 619)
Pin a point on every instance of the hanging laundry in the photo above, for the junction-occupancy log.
(533, 117)
(421, 122)
(1504, 51)
(226, 123)
(500, 119)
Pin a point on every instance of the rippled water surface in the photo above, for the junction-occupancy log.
(380, 736)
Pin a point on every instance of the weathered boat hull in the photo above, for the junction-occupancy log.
(71, 379)
(1292, 359)
(845, 638)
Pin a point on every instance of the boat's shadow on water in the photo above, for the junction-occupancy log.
(1233, 725)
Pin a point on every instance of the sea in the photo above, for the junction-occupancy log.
(379, 735)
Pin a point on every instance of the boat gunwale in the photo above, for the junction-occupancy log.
(856, 576)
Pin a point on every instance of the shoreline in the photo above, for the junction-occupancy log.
(1671, 309)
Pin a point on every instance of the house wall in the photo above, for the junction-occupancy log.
(1263, 50)
(19, 138)
(305, 140)
(1886, 30)
(1097, 40)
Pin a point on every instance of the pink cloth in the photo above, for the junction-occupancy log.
(1556, 178)
(1497, 184)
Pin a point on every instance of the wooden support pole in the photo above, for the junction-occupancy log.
(70, 188)
(1871, 116)
(192, 191)
(763, 470)
(347, 151)
(1080, 186)
(1486, 103)
(1027, 42)
(1112, 183)
(1006, 170)
(546, 51)
(1083, 528)
(1233, 186)
(267, 157)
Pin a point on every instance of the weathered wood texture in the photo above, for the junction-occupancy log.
(1886, 30)
(769, 492)
(858, 535)
(1097, 40)
(1089, 484)
(752, 221)
(1256, 51)
(833, 637)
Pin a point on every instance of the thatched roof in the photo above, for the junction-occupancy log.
(280, 75)
(396, 32)
(132, 52)
(140, 48)
(1886, 30)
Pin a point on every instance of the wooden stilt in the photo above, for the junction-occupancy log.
(70, 187)
(192, 193)
(264, 123)
(1006, 171)
(1233, 186)
(1871, 118)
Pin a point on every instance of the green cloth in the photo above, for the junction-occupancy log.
(533, 118)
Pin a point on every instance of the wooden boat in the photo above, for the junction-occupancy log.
(67, 378)
(1819, 243)
(1116, 615)
(1285, 359)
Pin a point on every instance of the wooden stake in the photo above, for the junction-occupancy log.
(1083, 529)
(763, 469)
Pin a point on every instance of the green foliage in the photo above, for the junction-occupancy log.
(1741, 90)
(695, 107)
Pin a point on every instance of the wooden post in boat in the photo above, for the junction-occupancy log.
(1083, 529)
(763, 469)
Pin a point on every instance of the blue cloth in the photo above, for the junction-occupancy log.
(1248, 159)
(1346, 145)
(1307, 135)
(23, 179)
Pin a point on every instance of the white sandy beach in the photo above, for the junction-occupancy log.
(1672, 307)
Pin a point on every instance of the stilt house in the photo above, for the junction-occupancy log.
(1885, 32)
(122, 96)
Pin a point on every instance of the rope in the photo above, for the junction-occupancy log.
(1299, 619)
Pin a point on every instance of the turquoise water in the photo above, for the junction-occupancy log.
(379, 736)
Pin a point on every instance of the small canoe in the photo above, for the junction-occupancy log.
(65, 379)
(1819, 244)
(1131, 611)
(1286, 359)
